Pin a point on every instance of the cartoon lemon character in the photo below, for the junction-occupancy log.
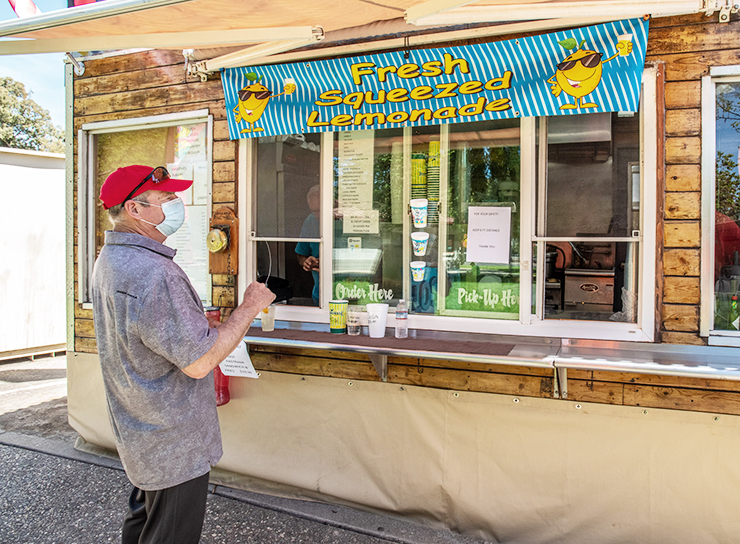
(253, 100)
(579, 73)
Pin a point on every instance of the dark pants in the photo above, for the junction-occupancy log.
(166, 516)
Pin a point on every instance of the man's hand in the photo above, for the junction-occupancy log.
(257, 297)
(311, 264)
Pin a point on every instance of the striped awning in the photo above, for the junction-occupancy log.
(591, 69)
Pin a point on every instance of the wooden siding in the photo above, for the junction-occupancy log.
(687, 46)
(617, 388)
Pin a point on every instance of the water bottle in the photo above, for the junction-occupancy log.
(734, 317)
(402, 319)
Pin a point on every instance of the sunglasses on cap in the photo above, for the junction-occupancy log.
(157, 175)
(246, 93)
(589, 61)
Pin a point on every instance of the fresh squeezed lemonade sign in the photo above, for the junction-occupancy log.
(592, 69)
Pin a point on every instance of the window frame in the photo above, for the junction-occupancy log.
(717, 74)
(86, 175)
(528, 324)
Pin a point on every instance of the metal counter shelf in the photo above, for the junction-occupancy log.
(477, 348)
(706, 362)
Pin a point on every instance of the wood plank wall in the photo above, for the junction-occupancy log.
(688, 46)
(154, 83)
(140, 85)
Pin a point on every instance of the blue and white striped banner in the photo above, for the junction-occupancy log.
(592, 69)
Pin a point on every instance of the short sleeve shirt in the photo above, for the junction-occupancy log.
(149, 325)
(310, 229)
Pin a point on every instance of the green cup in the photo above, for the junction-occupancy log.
(338, 316)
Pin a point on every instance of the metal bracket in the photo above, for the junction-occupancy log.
(725, 8)
(560, 383)
(380, 362)
(198, 69)
(78, 65)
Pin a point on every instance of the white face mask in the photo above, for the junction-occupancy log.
(174, 216)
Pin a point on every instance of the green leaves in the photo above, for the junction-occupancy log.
(571, 43)
(23, 123)
(251, 76)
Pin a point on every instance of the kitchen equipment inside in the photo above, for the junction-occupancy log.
(591, 222)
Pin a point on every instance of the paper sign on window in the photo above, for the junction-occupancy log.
(489, 234)
(362, 222)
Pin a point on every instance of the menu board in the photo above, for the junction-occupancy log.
(191, 162)
(356, 152)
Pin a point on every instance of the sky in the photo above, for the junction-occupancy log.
(43, 75)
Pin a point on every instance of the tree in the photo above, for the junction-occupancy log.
(23, 123)
(728, 185)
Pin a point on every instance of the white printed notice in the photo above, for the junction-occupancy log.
(182, 171)
(238, 363)
(192, 254)
(489, 234)
(356, 152)
(362, 222)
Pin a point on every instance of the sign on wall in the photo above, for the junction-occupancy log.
(586, 70)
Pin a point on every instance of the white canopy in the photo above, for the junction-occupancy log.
(277, 26)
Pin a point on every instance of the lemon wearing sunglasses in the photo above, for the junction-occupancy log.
(253, 100)
(578, 75)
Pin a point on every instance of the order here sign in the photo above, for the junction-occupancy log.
(591, 69)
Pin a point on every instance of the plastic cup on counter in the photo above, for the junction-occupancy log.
(338, 316)
(377, 315)
(417, 270)
(419, 241)
(354, 315)
(267, 318)
(419, 212)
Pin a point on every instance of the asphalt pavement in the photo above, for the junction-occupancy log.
(54, 494)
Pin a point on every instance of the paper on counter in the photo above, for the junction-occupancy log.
(238, 363)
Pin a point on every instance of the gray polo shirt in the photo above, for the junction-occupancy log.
(149, 325)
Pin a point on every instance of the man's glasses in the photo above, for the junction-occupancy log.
(157, 175)
(245, 93)
(589, 61)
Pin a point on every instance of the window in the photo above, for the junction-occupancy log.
(180, 142)
(532, 226)
(589, 217)
(286, 209)
(721, 205)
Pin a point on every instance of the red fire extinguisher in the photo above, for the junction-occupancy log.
(221, 381)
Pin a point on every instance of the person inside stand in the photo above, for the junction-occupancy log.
(157, 352)
(727, 242)
(308, 252)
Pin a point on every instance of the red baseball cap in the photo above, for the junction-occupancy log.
(130, 181)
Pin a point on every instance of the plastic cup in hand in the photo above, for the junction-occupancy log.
(419, 212)
(354, 313)
(268, 318)
(419, 241)
(377, 315)
(338, 316)
(417, 270)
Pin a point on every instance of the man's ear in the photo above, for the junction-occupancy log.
(132, 209)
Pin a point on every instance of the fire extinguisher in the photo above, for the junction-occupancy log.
(221, 381)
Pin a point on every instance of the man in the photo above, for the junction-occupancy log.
(308, 252)
(157, 352)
